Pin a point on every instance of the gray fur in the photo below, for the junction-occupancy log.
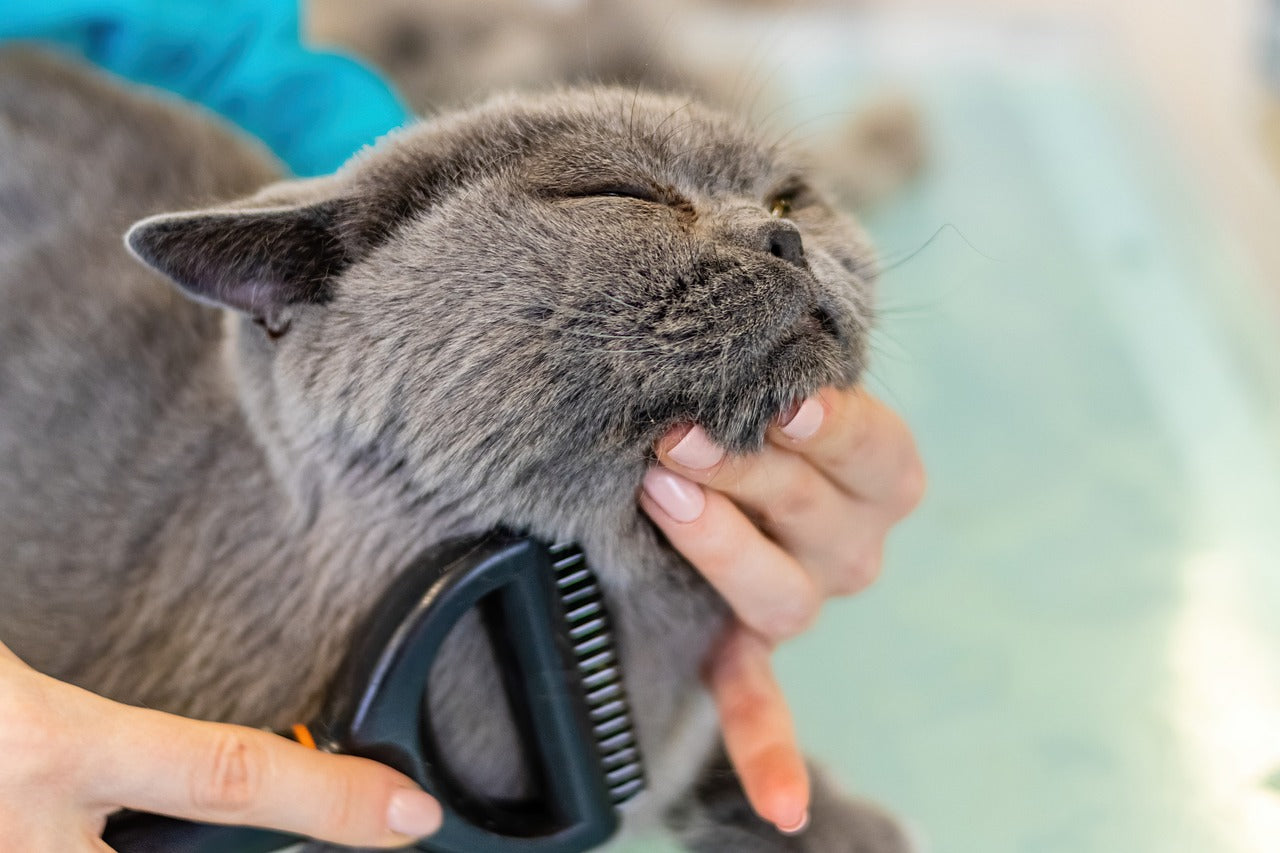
(198, 504)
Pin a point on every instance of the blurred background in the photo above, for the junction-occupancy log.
(1075, 645)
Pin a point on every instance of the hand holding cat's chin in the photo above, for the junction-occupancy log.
(776, 533)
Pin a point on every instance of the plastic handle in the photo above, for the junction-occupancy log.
(378, 711)
(139, 832)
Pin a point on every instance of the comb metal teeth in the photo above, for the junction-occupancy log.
(606, 698)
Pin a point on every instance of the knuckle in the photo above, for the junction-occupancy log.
(858, 424)
(229, 781)
(721, 543)
(794, 501)
(795, 614)
(911, 485)
(857, 575)
(792, 494)
(740, 712)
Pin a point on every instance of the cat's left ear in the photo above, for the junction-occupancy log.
(255, 261)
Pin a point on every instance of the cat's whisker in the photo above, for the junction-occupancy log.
(788, 136)
(764, 84)
(761, 126)
(876, 345)
(753, 78)
(887, 265)
(909, 312)
(665, 141)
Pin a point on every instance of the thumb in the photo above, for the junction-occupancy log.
(219, 773)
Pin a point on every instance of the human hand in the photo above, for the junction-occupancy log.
(71, 757)
(776, 533)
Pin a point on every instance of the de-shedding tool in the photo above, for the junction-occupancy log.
(545, 617)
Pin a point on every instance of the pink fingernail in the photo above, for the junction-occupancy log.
(413, 813)
(805, 422)
(696, 450)
(678, 498)
(797, 827)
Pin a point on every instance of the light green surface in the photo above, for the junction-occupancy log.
(1074, 647)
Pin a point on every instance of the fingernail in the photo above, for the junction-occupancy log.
(678, 498)
(804, 422)
(413, 813)
(696, 450)
(797, 827)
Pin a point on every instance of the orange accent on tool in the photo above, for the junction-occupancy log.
(302, 735)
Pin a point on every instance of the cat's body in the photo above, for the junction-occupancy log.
(195, 510)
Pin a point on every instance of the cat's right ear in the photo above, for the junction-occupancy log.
(255, 261)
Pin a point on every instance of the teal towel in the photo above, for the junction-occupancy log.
(240, 58)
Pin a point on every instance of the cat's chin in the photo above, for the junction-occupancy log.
(745, 430)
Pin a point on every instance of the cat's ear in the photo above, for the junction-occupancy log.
(256, 261)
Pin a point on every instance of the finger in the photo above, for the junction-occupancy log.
(755, 481)
(860, 444)
(231, 774)
(852, 439)
(762, 583)
(759, 735)
(835, 536)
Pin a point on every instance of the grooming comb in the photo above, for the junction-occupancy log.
(546, 619)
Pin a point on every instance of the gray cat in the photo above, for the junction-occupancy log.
(486, 319)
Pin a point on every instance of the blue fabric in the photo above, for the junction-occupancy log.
(240, 58)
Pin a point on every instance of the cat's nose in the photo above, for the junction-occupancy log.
(782, 240)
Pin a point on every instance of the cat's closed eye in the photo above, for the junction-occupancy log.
(634, 191)
(650, 193)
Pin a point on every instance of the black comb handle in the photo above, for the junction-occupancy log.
(140, 832)
(378, 707)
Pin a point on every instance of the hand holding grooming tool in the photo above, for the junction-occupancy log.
(545, 617)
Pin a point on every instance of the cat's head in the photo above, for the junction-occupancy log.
(498, 312)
